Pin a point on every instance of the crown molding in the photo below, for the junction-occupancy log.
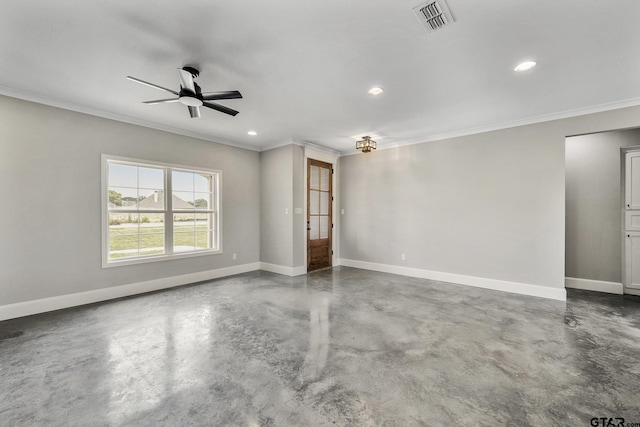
(278, 145)
(601, 108)
(67, 105)
(317, 147)
(303, 144)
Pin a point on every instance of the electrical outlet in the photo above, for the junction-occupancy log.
(403, 257)
(341, 211)
(235, 256)
(286, 211)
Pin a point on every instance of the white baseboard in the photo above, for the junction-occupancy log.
(559, 294)
(43, 305)
(594, 285)
(281, 269)
(27, 308)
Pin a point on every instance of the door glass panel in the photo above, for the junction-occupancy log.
(324, 179)
(324, 227)
(324, 203)
(314, 177)
(314, 203)
(314, 224)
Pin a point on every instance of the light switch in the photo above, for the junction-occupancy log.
(286, 211)
(342, 211)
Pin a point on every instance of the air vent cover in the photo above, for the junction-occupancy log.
(433, 15)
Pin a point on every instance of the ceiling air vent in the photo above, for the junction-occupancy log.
(433, 15)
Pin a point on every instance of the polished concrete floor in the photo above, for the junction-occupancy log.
(335, 347)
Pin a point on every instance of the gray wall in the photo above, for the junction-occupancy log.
(282, 187)
(276, 195)
(593, 217)
(50, 185)
(488, 205)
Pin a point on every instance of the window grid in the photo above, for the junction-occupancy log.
(143, 225)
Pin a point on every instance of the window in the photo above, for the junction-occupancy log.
(142, 223)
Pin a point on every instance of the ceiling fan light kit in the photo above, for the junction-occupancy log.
(191, 95)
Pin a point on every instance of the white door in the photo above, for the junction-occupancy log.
(633, 260)
(632, 180)
(631, 220)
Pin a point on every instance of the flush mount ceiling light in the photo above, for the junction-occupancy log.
(366, 145)
(525, 66)
(375, 91)
(252, 133)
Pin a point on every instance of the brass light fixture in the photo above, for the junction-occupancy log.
(366, 145)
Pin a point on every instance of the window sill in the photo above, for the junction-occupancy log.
(158, 258)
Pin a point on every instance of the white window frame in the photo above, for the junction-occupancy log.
(168, 212)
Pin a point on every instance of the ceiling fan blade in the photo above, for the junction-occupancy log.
(161, 101)
(194, 112)
(220, 108)
(133, 79)
(225, 94)
(186, 80)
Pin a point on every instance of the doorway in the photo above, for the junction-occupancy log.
(595, 229)
(319, 214)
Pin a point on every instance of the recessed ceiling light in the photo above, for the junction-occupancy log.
(375, 91)
(252, 133)
(524, 66)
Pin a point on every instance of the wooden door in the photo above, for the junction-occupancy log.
(319, 218)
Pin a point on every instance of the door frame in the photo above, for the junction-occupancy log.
(316, 153)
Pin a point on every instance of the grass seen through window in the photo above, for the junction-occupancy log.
(123, 239)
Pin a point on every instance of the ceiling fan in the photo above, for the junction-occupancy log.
(191, 95)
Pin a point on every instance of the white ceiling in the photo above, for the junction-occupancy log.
(304, 67)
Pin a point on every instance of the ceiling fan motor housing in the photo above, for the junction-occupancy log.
(194, 71)
(188, 97)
